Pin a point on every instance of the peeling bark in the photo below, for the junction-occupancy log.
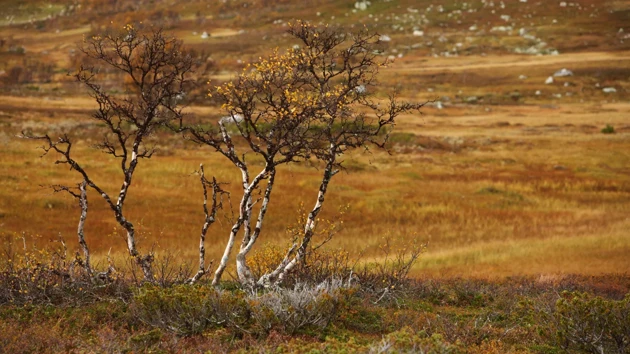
(309, 228)
(83, 203)
(245, 207)
(210, 218)
(242, 269)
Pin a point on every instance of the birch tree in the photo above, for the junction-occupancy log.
(156, 71)
(310, 102)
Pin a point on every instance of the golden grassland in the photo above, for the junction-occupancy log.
(546, 193)
(512, 183)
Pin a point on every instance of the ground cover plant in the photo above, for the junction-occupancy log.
(49, 306)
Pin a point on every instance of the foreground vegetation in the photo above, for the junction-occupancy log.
(331, 305)
(504, 181)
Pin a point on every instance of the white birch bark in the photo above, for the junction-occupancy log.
(242, 269)
(278, 275)
(83, 203)
(210, 218)
(245, 207)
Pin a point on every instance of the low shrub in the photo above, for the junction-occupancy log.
(298, 308)
(407, 340)
(188, 310)
(43, 276)
(593, 324)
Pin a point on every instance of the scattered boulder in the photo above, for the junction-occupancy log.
(563, 72)
(233, 119)
(362, 5)
(361, 89)
(549, 80)
(609, 90)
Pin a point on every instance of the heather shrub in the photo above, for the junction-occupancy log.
(592, 324)
(406, 340)
(29, 275)
(300, 307)
(188, 310)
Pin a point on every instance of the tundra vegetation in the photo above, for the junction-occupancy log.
(504, 176)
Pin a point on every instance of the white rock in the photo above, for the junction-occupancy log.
(361, 89)
(609, 90)
(501, 29)
(563, 72)
(522, 77)
(362, 5)
(205, 35)
(472, 28)
(538, 93)
(384, 38)
(549, 80)
(563, 4)
(418, 33)
(233, 119)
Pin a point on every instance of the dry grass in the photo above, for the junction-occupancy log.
(491, 200)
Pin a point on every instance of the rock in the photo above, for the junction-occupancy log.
(549, 80)
(362, 5)
(538, 93)
(472, 99)
(205, 35)
(418, 33)
(522, 77)
(384, 38)
(501, 29)
(361, 89)
(609, 90)
(563, 72)
(233, 119)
